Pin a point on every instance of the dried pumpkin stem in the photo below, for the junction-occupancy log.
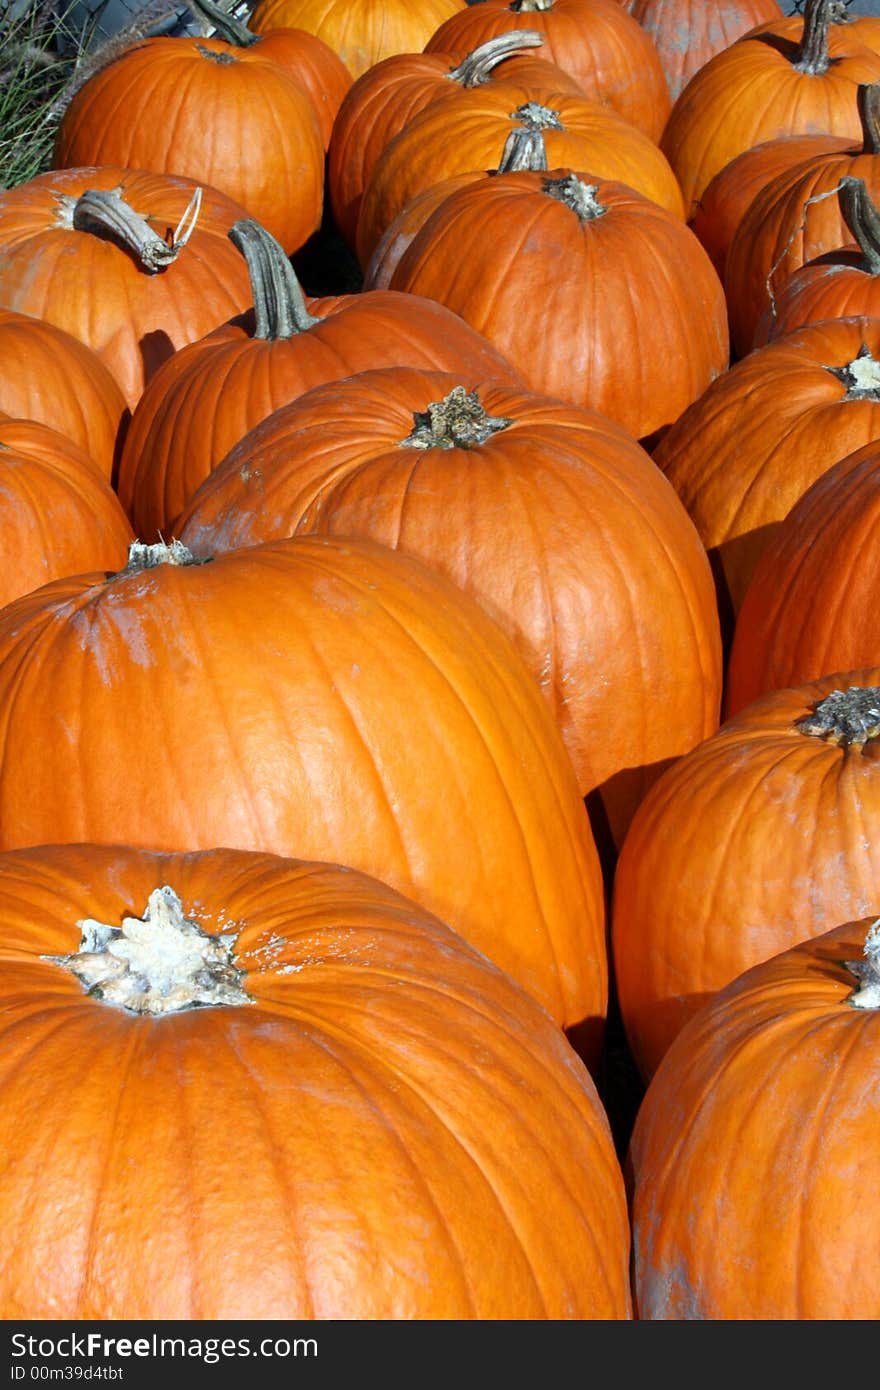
(214, 55)
(868, 102)
(459, 421)
(867, 971)
(812, 51)
(231, 29)
(527, 6)
(523, 149)
(580, 197)
(477, 67)
(147, 557)
(161, 963)
(104, 213)
(279, 305)
(862, 220)
(850, 717)
(534, 116)
(861, 377)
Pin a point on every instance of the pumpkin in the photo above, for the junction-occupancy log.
(132, 264)
(308, 59)
(58, 514)
(177, 1025)
(594, 292)
(718, 872)
(839, 284)
(565, 533)
(762, 87)
(49, 376)
(746, 451)
(811, 606)
(687, 33)
(466, 131)
(333, 696)
(361, 32)
(746, 1145)
(794, 219)
(207, 397)
(611, 56)
(386, 97)
(208, 110)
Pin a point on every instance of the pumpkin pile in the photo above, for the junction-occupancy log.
(421, 424)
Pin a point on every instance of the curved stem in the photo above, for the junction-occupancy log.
(105, 214)
(868, 102)
(459, 421)
(477, 67)
(812, 50)
(862, 220)
(279, 305)
(849, 717)
(230, 29)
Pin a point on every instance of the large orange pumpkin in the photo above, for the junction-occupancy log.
(333, 700)
(207, 396)
(762, 87)
(754, 1160)
(108, 269)
(595, 293)
(237, 1086)
(362, 32)
(687, 33)
(750, 843)
(207, 110)
(564, 532)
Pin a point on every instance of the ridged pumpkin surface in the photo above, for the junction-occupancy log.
(362, 32)
(754, 1160)
(339, 1145)
(757, 839)
(563, 530)
(687, 33)
(321, 699)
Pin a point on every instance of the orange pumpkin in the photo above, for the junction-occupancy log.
(687, 33)
(332, 699)
(746, 1145)
(362, 32)
(717, 872)
(368, 1072)
(565, 533)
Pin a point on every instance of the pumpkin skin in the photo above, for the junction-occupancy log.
(811, 605)
(752, 92)
(306, 678)
(49, 376)
(687, 33)
(727, 197)
(717, 874)
(362, 32)
(743, 1153)
(215, 100)
(208, 396)
(456, 137)
(92, 287)
(335, 1056)
(748, 449)
(58, 515)
(612, 58)
(617, 308)
(565, 533)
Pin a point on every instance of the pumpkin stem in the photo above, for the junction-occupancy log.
(161, 963)
(812, 51)
(232, 30)
(476, 68)
(534, 116)
(849, 717)
(867, 971)
(527, 6)
(459, 421)
(868, 103)
(279, 305)
(580, 197)
(523, 149)
(862, 219)
(147, 557)
(861, 377)
(105, 214)
(216, 55)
